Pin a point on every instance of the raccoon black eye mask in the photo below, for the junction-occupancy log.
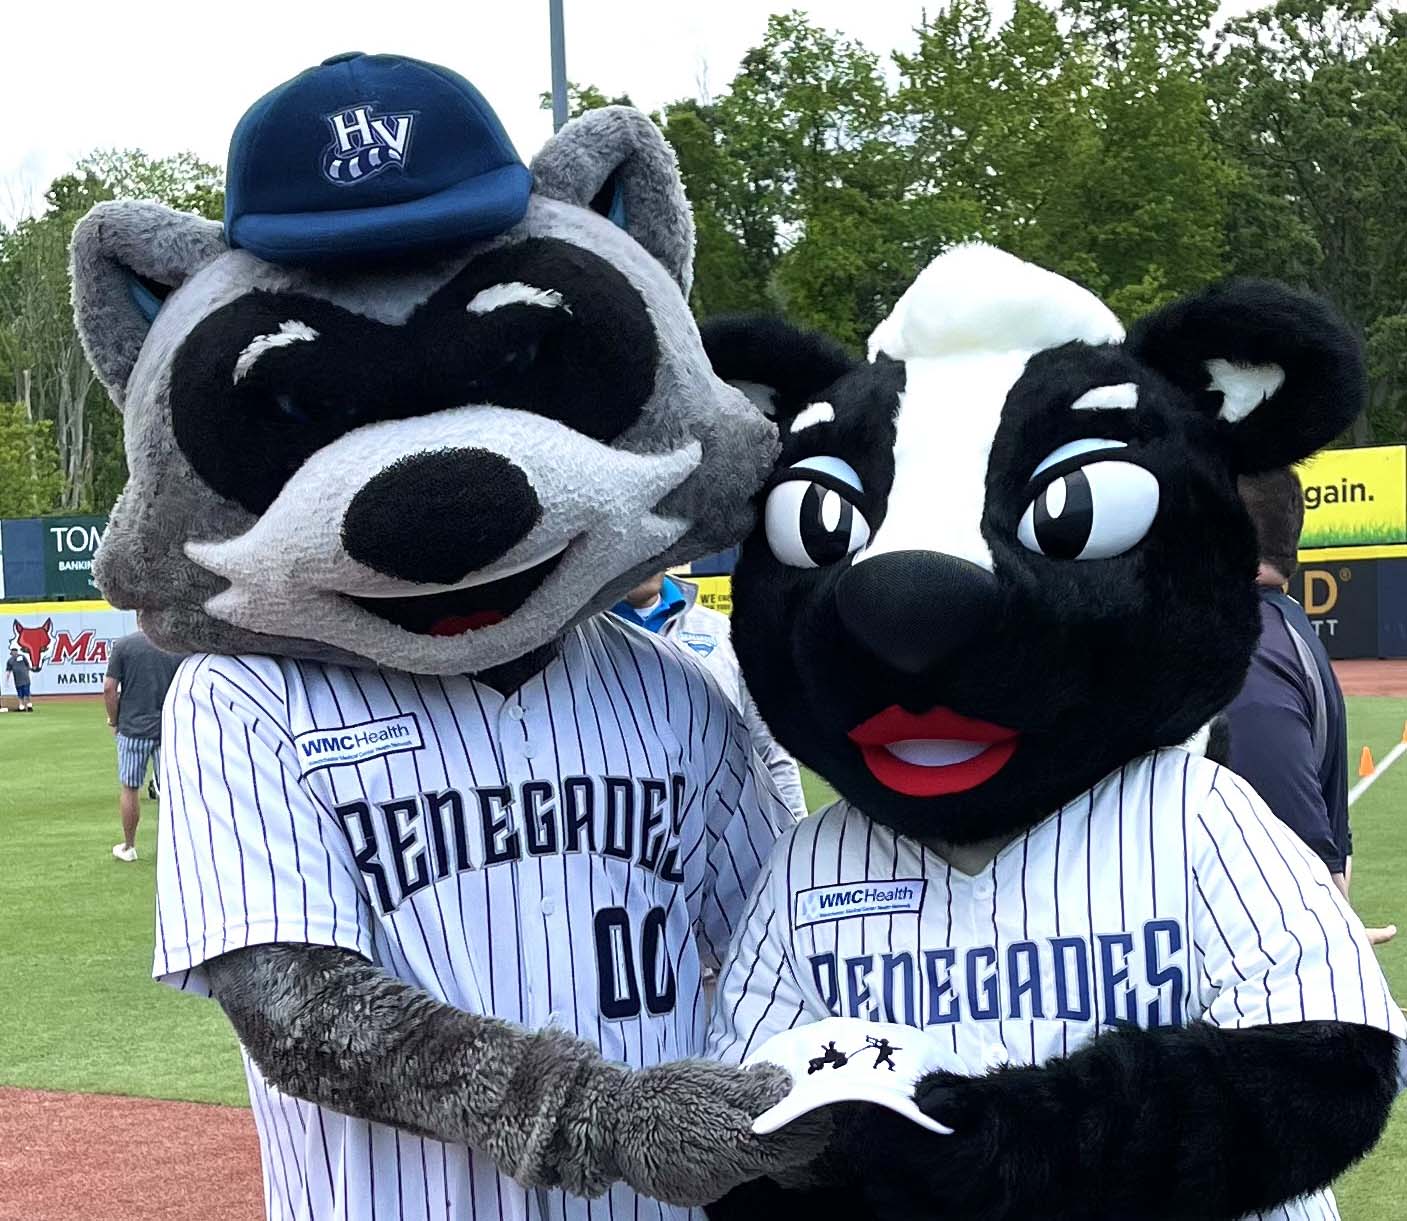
(266, 381)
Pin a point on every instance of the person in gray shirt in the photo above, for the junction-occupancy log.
(17, 667)
(138, 675)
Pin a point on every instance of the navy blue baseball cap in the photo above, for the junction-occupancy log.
(369, 157)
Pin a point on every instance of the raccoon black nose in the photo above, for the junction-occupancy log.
(435, 518)
(912, 609)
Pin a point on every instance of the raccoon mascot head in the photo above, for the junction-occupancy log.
(427, 414)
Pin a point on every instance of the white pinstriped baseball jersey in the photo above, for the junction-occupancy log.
(1168, 893)
(569, 854)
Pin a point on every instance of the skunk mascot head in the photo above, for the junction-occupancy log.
(1006, 554)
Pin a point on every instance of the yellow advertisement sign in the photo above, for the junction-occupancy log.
(1355, 497)
(716, 593)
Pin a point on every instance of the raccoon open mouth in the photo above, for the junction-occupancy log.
(462, 610)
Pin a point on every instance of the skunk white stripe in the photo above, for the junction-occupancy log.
(816, 413)
(949, 411)
(288, 332)
(1123, 397)
(514, 292)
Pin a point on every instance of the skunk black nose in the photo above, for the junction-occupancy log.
(912, 609)
(437, 517)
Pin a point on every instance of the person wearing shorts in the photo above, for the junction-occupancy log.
(138, 675)
(17, 667)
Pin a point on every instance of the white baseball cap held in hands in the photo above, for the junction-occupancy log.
(844, 1059)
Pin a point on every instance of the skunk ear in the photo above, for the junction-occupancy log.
(1280, 369)
(780, 367)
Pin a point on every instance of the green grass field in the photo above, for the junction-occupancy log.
(78, 1010)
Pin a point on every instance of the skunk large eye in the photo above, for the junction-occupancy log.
(1091, 512)
(811, 517)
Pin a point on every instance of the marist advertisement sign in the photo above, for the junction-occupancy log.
(67, 643)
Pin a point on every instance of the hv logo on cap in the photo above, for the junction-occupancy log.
(365, 143)
(842, 1059)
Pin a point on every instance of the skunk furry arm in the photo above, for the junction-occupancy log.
(325, 1025)
(1197, 1121)
(1156, 1124)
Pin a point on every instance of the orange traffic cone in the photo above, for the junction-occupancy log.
(1365, 763)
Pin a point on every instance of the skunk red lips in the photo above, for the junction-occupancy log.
(932, 754)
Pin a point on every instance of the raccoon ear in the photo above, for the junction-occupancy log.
(127, 258)
(780, 367)
(616, 162)
(1280, 370)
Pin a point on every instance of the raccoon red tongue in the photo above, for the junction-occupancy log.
(457, 625)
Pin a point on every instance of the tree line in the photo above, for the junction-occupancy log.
(1133, 146)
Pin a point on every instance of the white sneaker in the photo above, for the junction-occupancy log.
(123, 853)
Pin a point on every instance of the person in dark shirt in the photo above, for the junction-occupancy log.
(17, 667)
(1288, 728)
(138, 675)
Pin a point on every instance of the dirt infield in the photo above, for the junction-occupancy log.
(100, 1158)
(1373, 677)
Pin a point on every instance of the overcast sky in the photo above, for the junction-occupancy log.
(165, 76)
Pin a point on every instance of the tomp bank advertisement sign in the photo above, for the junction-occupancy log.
(69, 544)
(67, 643)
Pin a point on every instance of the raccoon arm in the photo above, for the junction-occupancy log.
(1159, 1124)
(325, 1025)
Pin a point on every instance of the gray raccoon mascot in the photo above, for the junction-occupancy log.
(453, 851)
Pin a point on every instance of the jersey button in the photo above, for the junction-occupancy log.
(515, 711)
(549, 906)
